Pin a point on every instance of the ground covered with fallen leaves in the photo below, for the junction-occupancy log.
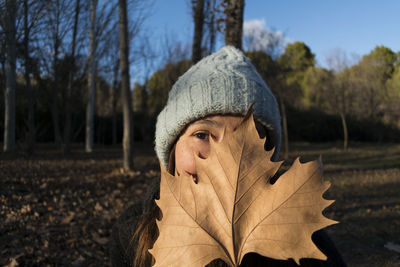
(58, 210)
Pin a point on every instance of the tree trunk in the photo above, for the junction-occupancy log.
(113, 100)
(345, 132)
(198, 18)
(126, 93)
(91, 80)
(54, 104)
(144, 97)
(29, 92)
(212, 27)
(9, 92)
(67, 129)
(285, 130)
(234, 22)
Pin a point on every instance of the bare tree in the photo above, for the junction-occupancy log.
(173, 49)
(339, 96)
(211, 19)
(112, 71)
(141, 52)
(102, 25)
(31, 119)
(91, 79)
(113, 100)
(67, 129)
(207, 17)
(198, 18)
(234, 10)
(33, 13)
(57, 26)
(126, 93)
(8, 24)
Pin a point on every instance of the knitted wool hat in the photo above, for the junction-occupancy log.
(222, 83)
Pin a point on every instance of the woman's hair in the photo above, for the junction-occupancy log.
(145, 236)
(147, 231)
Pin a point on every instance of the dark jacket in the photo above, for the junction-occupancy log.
(123, 246)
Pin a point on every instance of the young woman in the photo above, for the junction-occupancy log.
(212, 95)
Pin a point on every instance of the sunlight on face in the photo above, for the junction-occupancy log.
(195, 140)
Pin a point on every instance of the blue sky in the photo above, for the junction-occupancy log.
(356, 27)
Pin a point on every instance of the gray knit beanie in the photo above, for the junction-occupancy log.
(222, 83)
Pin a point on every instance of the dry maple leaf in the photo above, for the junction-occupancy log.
(234, 209)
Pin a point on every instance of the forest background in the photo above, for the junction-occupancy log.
(74, 85)
(69, 95)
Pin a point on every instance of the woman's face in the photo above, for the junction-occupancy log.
(195, 140)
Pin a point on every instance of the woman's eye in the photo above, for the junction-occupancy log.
(202, 135)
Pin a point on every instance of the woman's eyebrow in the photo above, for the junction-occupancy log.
(208, 123)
